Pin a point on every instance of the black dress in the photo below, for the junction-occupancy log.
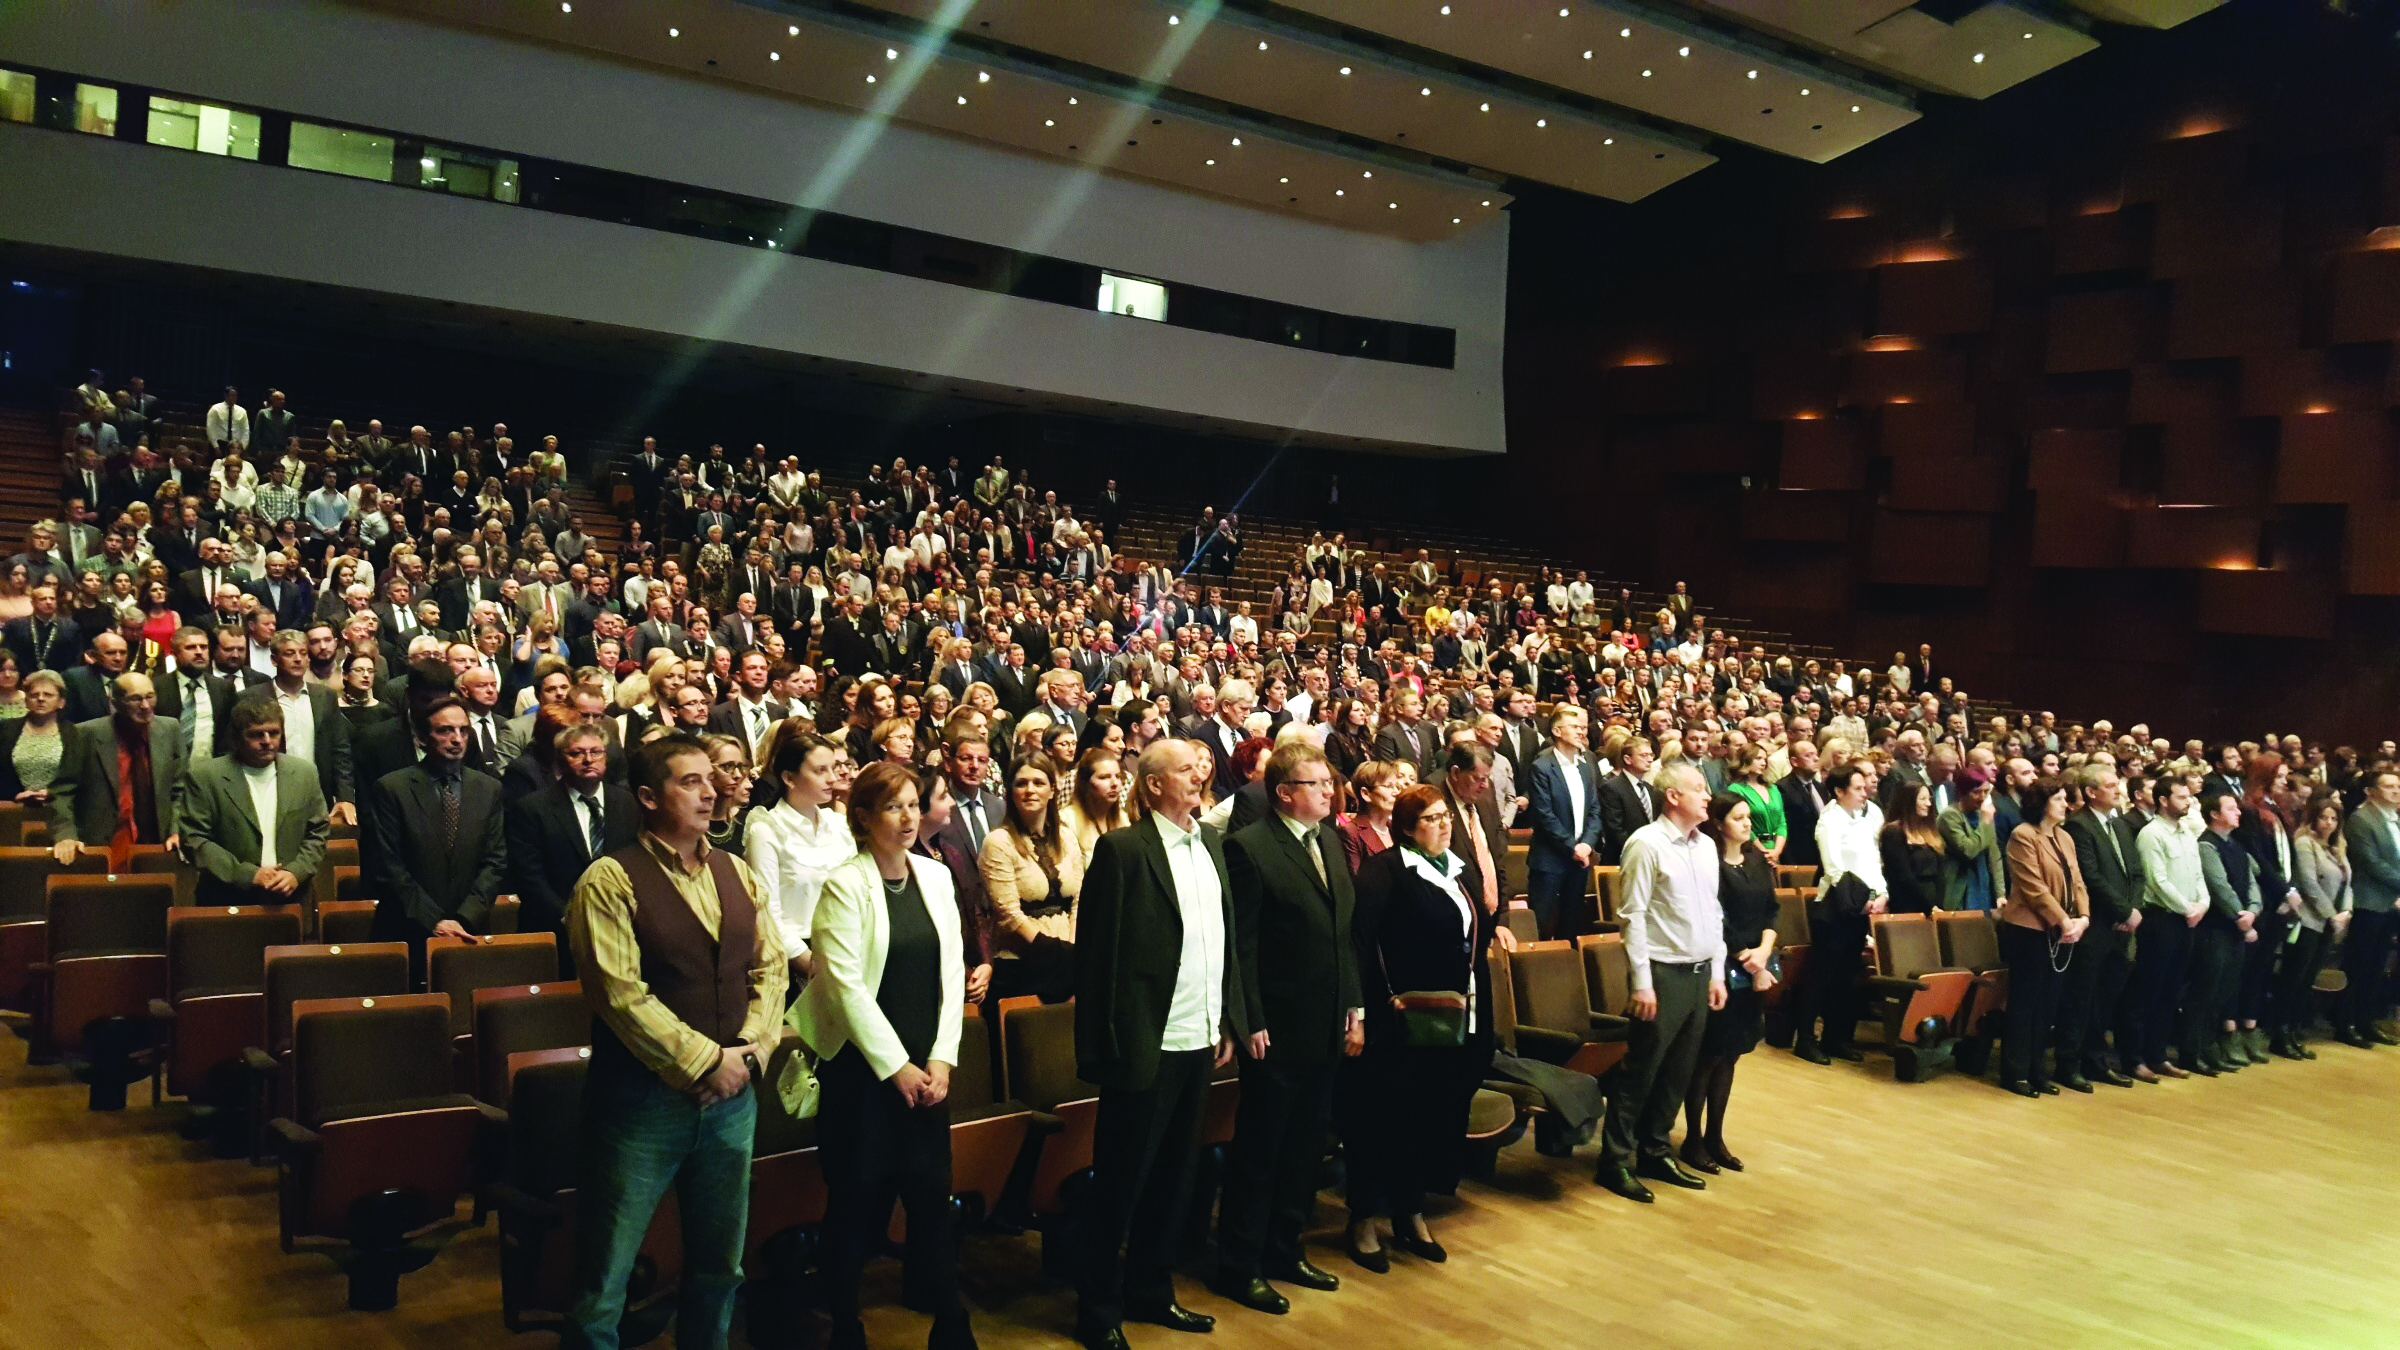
(1913, 870)
(1747, 895)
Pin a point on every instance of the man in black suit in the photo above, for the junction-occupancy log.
(284, 595)
(1521, 739)
(1804, 797)
(1408, 738)
(1626, 802)
(2094, 986)
(44, 639)
(1291, 938)
(1221, 734)
(1014, 683)
(554, 834)
(440, 851)
(1159, 1006)
(460, 594)
(751, 713)
(87, 684)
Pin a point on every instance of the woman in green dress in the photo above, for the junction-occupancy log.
(1766, 804)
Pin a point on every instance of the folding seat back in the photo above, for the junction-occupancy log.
(1906, 945)
(328, 970)
(12, 824)
(164, 864)
(1970, 940)
(107, 940)
(1921, 1000)
(1002, 1010)
(1040, 1045)
(346, 922)
(1522, 923)
(458, 967)
(987, 1136)
(1504, 1003)
(512, 1019)
(347, 887)
(1604, 885)
(358, 1056)
(1607, 973)
(339, 853)
(1791, 916)
(216, 982)
(24, 924)
(1796, 878)
(787, 1187)
(1555, 1021)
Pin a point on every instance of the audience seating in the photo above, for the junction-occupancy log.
(105, 962)
(1040, 1055)
(457, 967)
(345, 921)
(24, 932)
(1555, 1021)
(511, 1019)
(339, 853)
(12, 824)
(377, 1150)
(1791, 943)
(1920, 1001)
(216, 1002)
(311, 971)
(1970, 941)
(787, 1208)
(163, 863)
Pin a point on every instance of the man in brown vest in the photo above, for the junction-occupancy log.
(684, 973)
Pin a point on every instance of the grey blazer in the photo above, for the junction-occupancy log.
(2323, 878)
(221, 829)
(83, 801)
(2374, 864)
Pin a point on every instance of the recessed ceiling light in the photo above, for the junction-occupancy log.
(1754, 74)
(1070, 102)
(1485, 108)
(983, 77)
(1541, 121)
(1804, 93)
(1212, 164)
(1587, 53)
(1345, 70)
(1487, 202)
(792, 30)
(1262, 46)
(674, 32)
(1624, 32)
(1283, 180)
(1173, 20)
(1683, 51)
(891, 53)
(1425, 93)
(1445, 9)
(2029, 37)
(1562, 14)
(774, 56)
(1979, 58)
(566, 9)
(1338, 192)
(962, 98)
(1395, 206)
(1854, 107)
(1049, 122)
(1645, 74)
(1454, 220)
(1368, 174)
(870, 79)
(1608, 140)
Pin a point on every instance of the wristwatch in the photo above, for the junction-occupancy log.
(750, 1059)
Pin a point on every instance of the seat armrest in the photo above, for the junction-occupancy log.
(296, 1138)
(1044, 1123)
(1548, 1045)
(518, 1206)
(162, 1011)
(1610, 1027)
(1892, 986)
(260, 1062)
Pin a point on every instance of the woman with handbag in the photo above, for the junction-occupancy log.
(1746, 892)
(2046, 913)
(1421, 944)
(882, 1015)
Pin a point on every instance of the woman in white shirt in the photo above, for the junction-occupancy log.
(238, 478)
(883, 1015)
(795, 844)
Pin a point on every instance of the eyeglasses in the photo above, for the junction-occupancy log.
(1433, 817)
(1308, 782)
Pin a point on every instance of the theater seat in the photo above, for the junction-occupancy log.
(105, 963)
(1970, 941)
(1791, 942)
(512, 1019)
(377, 1150)
(24, 935)
(303, 972)
(456, 968)
(1040, 1055)
(1555, 1021)
(216, 1003)
(346, 921)
(1921, 1001)
(787, 1211)
(339, 853)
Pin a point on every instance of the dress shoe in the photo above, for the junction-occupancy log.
(1254, 1293)
(2351, 1038)
(1376, 1262)
(1846, 1053)
(1669, 1171)
(1305, 1275)
(2105, 1074)
(2281, 1045)
(1624, 1183)
(1695, 1156)
(2173, 1070)
(2022, 1089)
(1172, 1316)
(1101, 1338)
(2300, 1046)
(951, 1331)
(2048, 1089)
(2234, 1049)
(1810, 1051)
(2255, 1041)
(1725, 1159)
(2075, 1082)
(1422, 1248)
(2143, 1074)
(2381, 1037)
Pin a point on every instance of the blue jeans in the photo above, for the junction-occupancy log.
(640, 1137)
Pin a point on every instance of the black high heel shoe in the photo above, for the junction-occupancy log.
(1378, 1261)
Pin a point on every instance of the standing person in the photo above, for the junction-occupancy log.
(2373, 833)
(556, 834)
(2225, 930)
(122, 783)
(2045, 916)
(439, 840)
(1159, 1006)
(1292, 905)
(1974, 857)
(255, 822)
(2173, 899)
(1417, 932)
(1850, 891)
(1746, 894)
(1675, 955)
(1913, 853)
(966, 881)
(1562, 792)
(683, 971)
(2266, 831)
(2107, 848)
(882, 1013)
(1628, 800)
(1033, 872)
(795, 844)
(1804, 799)
(2321, 864)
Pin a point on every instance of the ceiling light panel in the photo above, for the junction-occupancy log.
(1299, 75)
(1020, 106)
(1711, 89)
(1977, 56)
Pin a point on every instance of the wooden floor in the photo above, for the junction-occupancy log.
(2257, 1210)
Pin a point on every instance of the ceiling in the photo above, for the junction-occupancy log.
(1412, 118)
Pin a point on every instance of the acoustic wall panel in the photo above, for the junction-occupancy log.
(2334, 457)
(1912, 548)
(1822, 453)
(2075, 459)
(2102, 330)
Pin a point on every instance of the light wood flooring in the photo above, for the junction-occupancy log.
(2256, 1210)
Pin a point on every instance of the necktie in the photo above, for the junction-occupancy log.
(189, 714)
(1314, 847)
(975, 826)
(593, 822)
(447, 786)
(483, 738)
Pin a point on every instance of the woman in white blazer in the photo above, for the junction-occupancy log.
(794, 845)
(882, 1013)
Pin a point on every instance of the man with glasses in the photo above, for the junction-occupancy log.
(121, 781)
(1675, 955)
(1291, 935)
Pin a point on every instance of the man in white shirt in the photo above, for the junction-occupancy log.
(2174, 900)
(1851, 891)
(1675, 958)
(254, 820)
(1158, 1008)
(229, 422)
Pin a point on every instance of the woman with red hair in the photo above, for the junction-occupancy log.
(2266, 831)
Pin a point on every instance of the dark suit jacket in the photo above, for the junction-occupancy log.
(1553, 814)
(83, 802)
(548, 849)
(1410, 938)
(334, 777)
(458, 598)
(297, 607)
(1392, 743)
(220, 693)
(65, 652)
(419, 876)
(1128, 949)
(1800, 813)
(2115, 886)
(87, 694)
(1250, 806)
(1292, 937)
(1621, 799)
(1015, 688)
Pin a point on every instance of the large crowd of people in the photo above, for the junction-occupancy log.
(884, 749)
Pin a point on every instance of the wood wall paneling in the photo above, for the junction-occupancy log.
(2102, 330)
(2335, 457)
(1823, 454)
(1934, 298)
(2081, 459)
(2371, 552)
(1913, 548)
(2266, 604)
(1797, 517)
(1927, 430)
(1967, 483)
(2077, 529)
(2232, 314)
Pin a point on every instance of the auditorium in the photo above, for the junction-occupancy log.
(1451, 674)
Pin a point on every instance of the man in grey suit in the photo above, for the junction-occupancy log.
(255, 821)
(93, 784)
(1409, 738)
(979, 811)
(440, 850)
(314, 729)
(2374, 836)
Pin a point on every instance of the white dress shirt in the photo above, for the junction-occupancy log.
(2171, 877)
(299, 722)
(1568, 769)
(1198, 1008)
(263, 800)
(1848, 845)
(1667, 899)
(791, 856)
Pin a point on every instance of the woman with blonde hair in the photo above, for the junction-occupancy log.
(1033, 873)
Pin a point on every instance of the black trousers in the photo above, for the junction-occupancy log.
(1271, 1173)
(2034, 980)
(2364, 951)
(2294, 1008)
(2162, 957)
(1828, 985)
(876, 1148)
(2209, 991)
(1648, 1087)
(2091, 1002)
(2258, 966)
(1144, 1145)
